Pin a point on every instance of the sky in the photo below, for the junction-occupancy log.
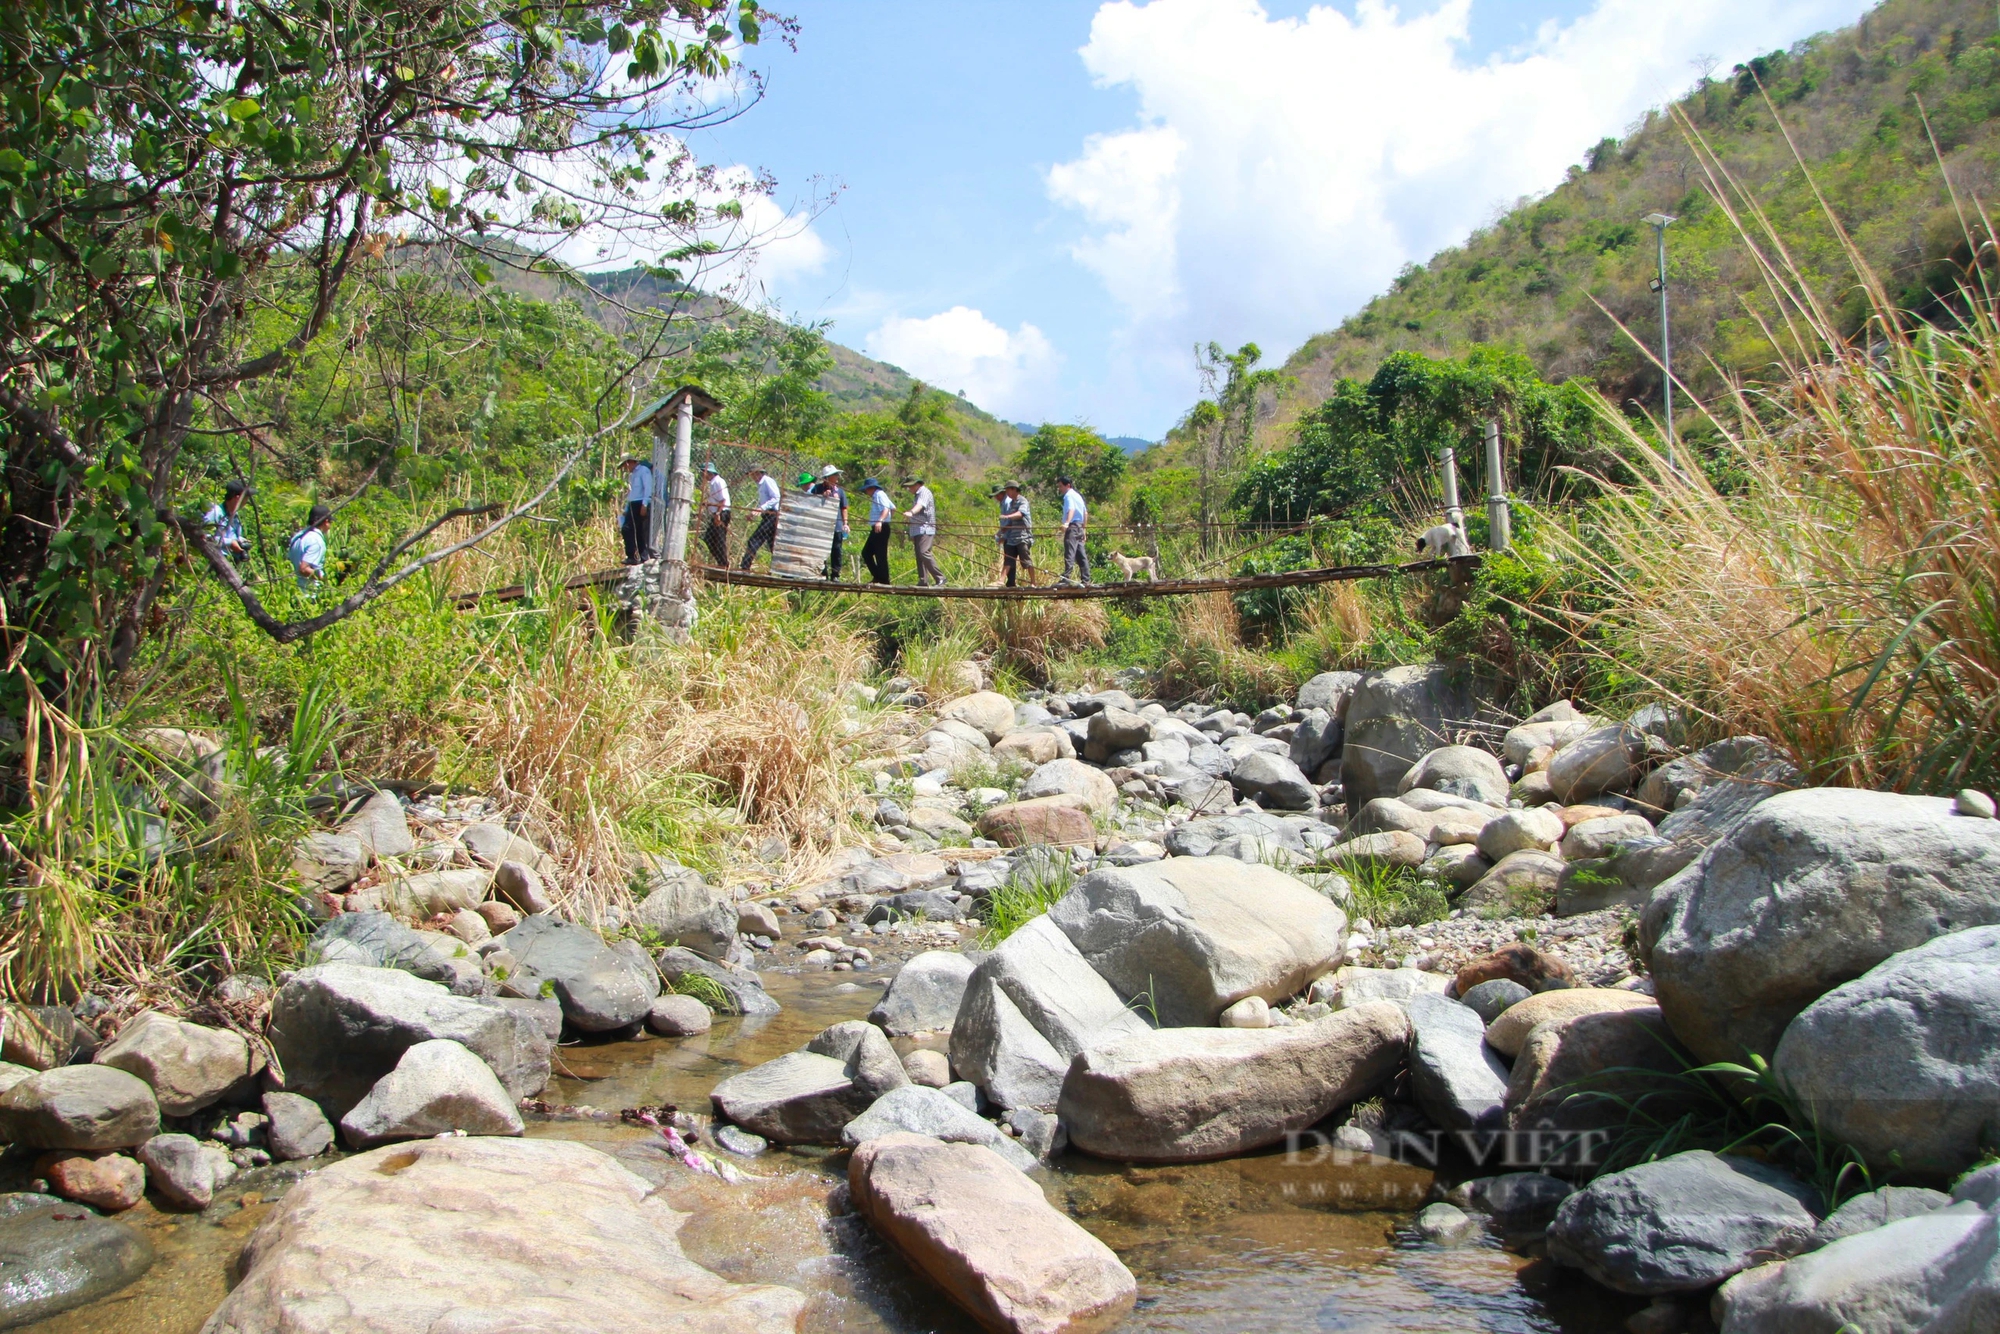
(1046, 204)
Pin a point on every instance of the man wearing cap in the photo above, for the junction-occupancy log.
(637, 524)
(766, 534)
(1075, 514)
(922, 515)
(1016, 534)
(875, 548)
(225, 524)
(714, 515)
(830, 485)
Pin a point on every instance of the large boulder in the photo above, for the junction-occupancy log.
(1809, 890)
(1521, 884)
(1329, 691)
(55, 1257)
(377, 940)
(1459, 771)
(1682, 1224)
(86, 1107)
(1521, 743)
(422, 894)
(1071, 778)
(1274, 782)
(336, 1029)
(1530, 829)
(1508, 1032)
(538, 1235)
(925, 994)
(1458, 1081)
(987, 711)
(185, 1171)
(806, 1097)
(381, 827)
(1582, 1073)
(1193, 1094)
(1590, 839)
(1936, 1272)
(1394, 719)
(1034, 745)
(1198, 934)
(437, 1088)
(1604, 759)
(492, 844)
(600, 987)
(1112, 730)
(1709, 791)
(984, 1232)
(1903, 1063)
(296, 1127)
(741, 991)
(916, 1110)
(1317, 740)
(680, 909)
(1029, 1008)
(188, 1067)
(1062, 821)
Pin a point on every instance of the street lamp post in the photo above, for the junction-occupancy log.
(1659, 222)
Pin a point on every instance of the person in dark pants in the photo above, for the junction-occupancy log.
(1016, 533)
(875, 548)
(637, 524)
(1075, 518)
(766, 533)
(715, 515)
(829, 485)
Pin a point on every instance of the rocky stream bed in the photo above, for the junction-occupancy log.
(1201, 1091)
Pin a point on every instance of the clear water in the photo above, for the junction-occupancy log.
(1251, 1244)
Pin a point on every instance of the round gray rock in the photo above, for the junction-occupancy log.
(87, 1107)
(1489, 1000)
(1459, 771)
(436, 1088)
(55, 1256)
(679, 1017)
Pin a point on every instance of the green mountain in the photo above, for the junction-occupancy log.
(1844, 113)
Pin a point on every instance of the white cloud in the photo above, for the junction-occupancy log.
(1282, 170)
(961, 350)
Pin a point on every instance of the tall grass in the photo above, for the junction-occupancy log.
(1207, 657)
(1845, 601)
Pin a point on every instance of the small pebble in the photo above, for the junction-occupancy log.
(1975, 803)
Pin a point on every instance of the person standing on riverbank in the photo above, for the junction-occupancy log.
(875, 547)
(766, 533)
(1075, 515)
(637, 525)
(1016, 533)
(922, 515)
(715, 515)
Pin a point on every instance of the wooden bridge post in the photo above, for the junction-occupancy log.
(676, 486)
(1499, 513)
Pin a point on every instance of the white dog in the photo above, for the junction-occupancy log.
(1136, 565)
(1445, 539)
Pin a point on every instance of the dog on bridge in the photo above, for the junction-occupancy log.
(1442, 540)
(1136, 565)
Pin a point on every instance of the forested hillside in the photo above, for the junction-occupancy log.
(1555, 276)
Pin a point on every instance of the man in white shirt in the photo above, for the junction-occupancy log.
(714, 515)
(766, 534)
(1075, 514)
(875, 547)
(922, 515)
(637, 523)
(307, 551)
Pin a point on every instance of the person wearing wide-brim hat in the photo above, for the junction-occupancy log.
(1016, 535)
(714, 515)
(875, 547)
(922, 515)
(830, 485)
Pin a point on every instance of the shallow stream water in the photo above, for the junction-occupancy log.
(1261, 1243)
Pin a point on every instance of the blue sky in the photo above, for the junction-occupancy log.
(1047, 203)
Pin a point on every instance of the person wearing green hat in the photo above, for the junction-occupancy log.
(714, 516)
(875, 547)
(1016, 534)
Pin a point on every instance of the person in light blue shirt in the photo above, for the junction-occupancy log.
(875, 547)
(307, 551)
(1075, 514)
(766, 533)
(225, 521)
(637, 523)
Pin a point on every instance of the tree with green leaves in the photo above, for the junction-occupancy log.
(1225, 426)
(1366, 440)
(187, 189)
(1095, 464)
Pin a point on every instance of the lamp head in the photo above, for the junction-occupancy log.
(1658, 219)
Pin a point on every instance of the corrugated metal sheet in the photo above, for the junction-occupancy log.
(805, 534)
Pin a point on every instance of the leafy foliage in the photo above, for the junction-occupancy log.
(1096, 465)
